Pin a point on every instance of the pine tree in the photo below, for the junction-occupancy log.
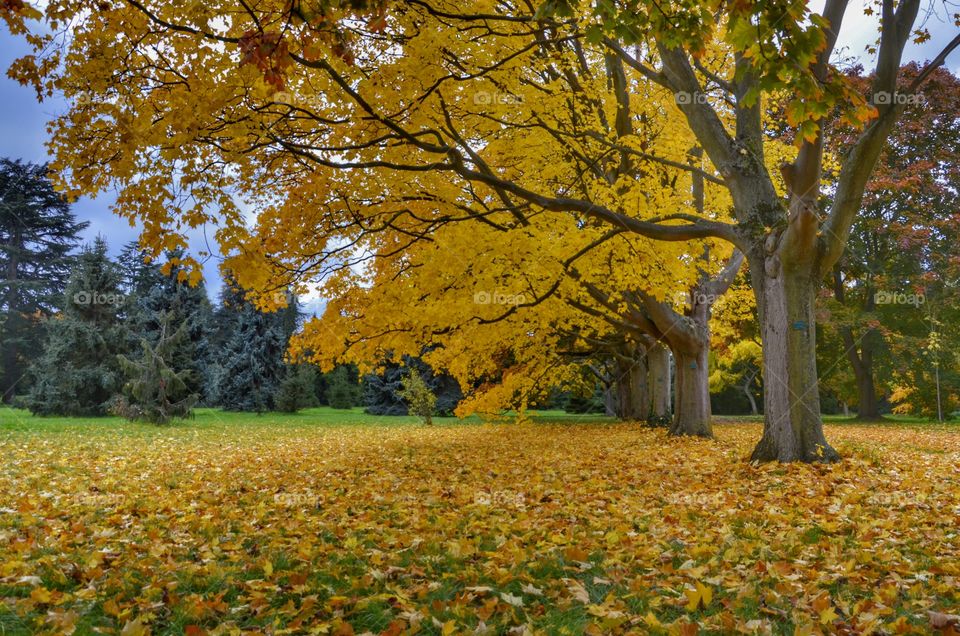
(37, 234)
(157, 390)
(78, 373)
(297, 389)
(154, 296)
(251, 350)
(342, 390)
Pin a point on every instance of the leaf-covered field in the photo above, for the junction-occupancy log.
(300, 526)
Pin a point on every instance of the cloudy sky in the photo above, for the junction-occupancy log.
(23, 120)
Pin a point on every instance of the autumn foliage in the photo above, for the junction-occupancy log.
(535, 529)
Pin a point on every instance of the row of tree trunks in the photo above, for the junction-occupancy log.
(641, 389)
(633, 387)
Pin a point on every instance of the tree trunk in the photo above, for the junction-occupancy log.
(792, 428)
(658, 361)
(748, 382)
(633, 390)
(8, 379)
(868, 408)
(610, 401)
(691, 347)
(691, 415)
(10, 373)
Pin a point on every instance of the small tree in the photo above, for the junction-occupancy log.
(155, 391)
(381, 390)
(297, 388)
(418, 395)
(341, 393)
(153, 291)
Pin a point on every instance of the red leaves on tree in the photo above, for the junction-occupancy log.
(14, 6)
(378, 21)
(270, 54)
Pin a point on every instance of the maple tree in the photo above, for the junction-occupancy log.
(358, 130)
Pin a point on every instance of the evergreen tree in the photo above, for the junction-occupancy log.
(342, 388)
(155, 296)
(251, 350)
(37, 234)
(78, 373)
(157, 390)
(297, 389)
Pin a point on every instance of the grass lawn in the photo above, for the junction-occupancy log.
(335, 522)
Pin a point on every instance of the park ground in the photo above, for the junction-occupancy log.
(340, 523)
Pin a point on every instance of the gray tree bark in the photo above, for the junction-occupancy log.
(658, 358)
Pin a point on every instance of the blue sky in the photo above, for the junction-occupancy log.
(23, 133)
(23, 120)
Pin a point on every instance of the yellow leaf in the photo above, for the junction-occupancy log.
(134, 628)
(828, 615)
(706, 593)
(697, 596)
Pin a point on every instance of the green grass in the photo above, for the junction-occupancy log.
(215, 419)
(208, 419)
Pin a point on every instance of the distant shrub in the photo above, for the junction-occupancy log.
(417, 394)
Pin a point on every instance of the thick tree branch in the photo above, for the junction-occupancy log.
(703, 119)
(719, 284)
(651, 74)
